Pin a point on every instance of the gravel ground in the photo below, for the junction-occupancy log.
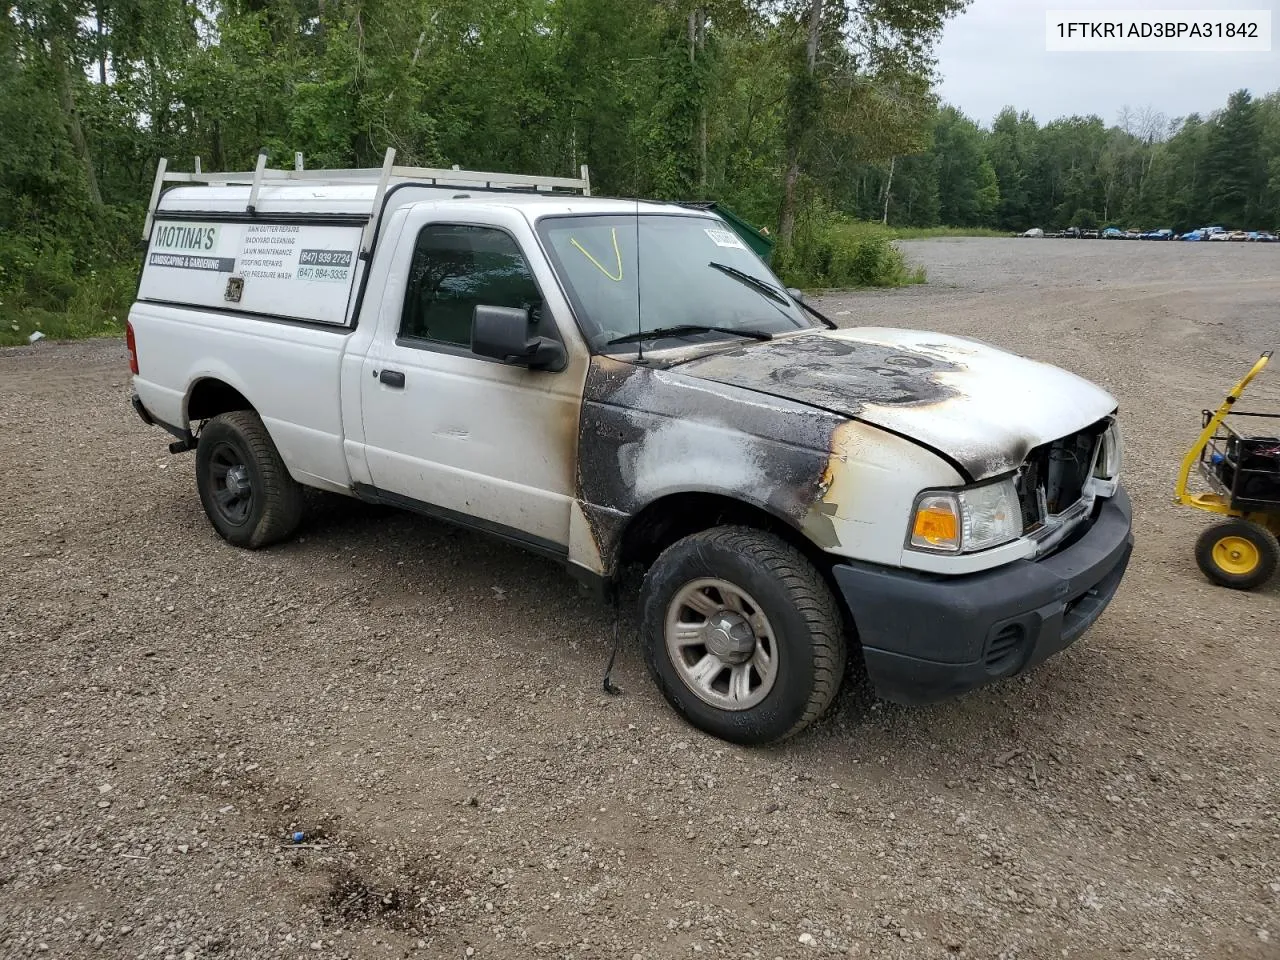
(426, 707)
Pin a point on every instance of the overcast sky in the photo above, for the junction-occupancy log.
(994, 54)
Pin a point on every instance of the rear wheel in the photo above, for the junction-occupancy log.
(1238, 554)
(742, 634)
(244, 486)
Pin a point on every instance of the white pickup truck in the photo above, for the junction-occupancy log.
(616, 384)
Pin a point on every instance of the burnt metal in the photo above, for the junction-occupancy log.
(1053, 476)
(774, 458)
(837, 375)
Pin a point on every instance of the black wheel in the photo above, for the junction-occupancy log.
(1238, 554)
(246, 490)
(742, 634)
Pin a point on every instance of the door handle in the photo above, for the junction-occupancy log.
(392, 378)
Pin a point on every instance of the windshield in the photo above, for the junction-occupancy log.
(694, 271)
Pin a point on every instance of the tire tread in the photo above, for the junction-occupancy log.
(1264, 539)
(810, 596)
(281, 494)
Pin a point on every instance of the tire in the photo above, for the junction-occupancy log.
(1238, 554)
(762, 600)
(244, 486)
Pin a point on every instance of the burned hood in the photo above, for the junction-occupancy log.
(981, 407)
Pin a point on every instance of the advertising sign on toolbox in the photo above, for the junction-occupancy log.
(283, 269)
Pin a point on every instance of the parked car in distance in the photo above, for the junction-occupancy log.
(454, 344)
(1034, 232)
(1071, 233)
(1156, 235)
(1089, 234)
(1132, 234)
(1113, 233)
(1193, 235)
(1237, 236)
(1221, 235)
(1265, 236)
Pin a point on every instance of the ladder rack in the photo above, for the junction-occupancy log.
(380, 176)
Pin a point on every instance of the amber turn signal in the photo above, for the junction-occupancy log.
(937, 524)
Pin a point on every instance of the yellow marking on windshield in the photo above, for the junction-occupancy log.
(600, 266)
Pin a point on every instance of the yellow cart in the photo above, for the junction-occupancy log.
(1242, 472)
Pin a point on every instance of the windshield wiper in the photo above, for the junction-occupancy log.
(685, 329)
(772, 292)
(826, 321)
(755, 283)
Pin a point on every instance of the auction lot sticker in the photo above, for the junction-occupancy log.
(1170, 31)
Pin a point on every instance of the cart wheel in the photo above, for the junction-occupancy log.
(1238, 554)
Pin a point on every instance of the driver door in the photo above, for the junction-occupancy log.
(465, 437)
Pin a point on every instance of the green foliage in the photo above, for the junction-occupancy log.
(1232, 161)
(968, 193)
(42, 289)
(830, 251)
(728, 100)
(1085, 219)
(680, 100)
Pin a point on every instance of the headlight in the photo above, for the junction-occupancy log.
(956, 521)
(1110, 453)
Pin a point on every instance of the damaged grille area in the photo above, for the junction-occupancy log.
(1053, 478)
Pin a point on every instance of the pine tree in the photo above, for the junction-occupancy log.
(1233, 167)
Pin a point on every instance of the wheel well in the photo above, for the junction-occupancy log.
(663, 522)
(210, 397)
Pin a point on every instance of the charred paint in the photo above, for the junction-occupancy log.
(981, 408)
(647, 433)
(819, 429)
(832, 373)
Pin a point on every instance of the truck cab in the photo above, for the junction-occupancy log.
(621, 385)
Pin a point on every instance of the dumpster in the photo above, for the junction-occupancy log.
(758, 241)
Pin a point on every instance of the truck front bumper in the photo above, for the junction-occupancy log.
(927, 637)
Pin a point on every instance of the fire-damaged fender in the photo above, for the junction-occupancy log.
(647, 433)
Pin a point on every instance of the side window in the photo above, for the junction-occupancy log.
(454, 269)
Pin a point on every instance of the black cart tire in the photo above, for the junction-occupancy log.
(742, 634)
(1238, 554)
(244, 486)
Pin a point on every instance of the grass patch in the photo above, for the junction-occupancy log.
(64, 305)
(62, 326)
(925, 233)
(832, 253)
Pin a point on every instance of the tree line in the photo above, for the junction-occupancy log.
(738, 99)
(1146, 170)
(793, 113)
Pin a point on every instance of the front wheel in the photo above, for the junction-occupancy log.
(244, 485)
(1238, 554)
(742, 634)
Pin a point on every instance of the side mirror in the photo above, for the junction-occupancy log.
(502, 333)
(796, 294)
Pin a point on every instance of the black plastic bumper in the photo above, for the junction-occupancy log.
(928, 637)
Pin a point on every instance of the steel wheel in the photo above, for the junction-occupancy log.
(721, 644)
(1236, 556)
(229, 483)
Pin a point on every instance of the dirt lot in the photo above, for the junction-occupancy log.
(426, 707)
